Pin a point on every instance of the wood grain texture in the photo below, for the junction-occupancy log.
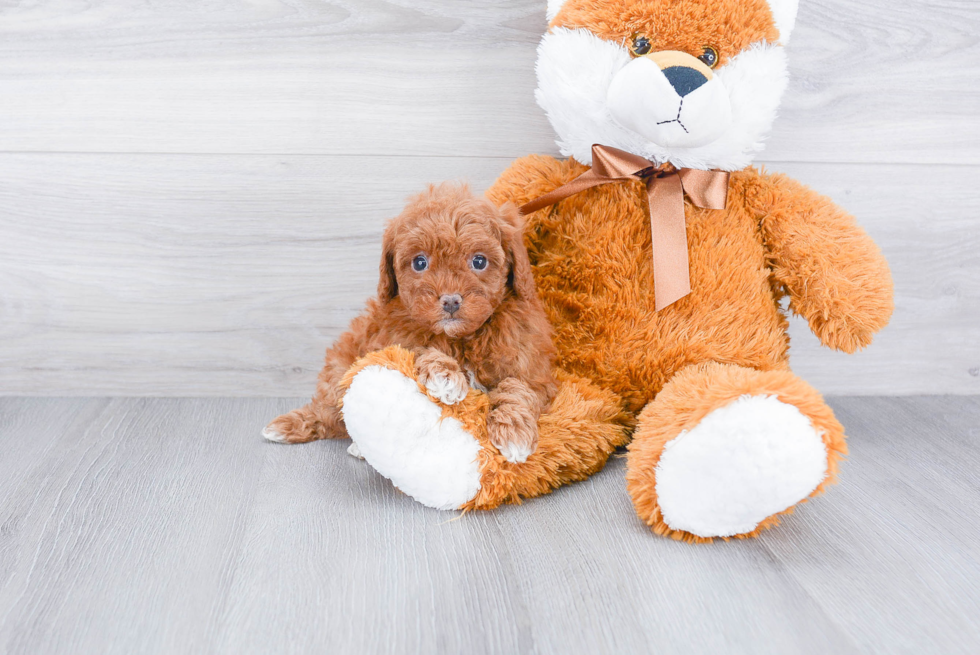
(126, 524)
(228, 275)
(134, 260)
(872, 81)
(168, 525)
(904, 518)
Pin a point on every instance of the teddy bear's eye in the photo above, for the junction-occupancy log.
(479, 262)
(641, 45)
(709, 57)
(420, 263)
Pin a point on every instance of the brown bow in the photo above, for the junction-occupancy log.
(665, 192)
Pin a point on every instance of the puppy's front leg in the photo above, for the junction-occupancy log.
(441, 375)
(512, 424)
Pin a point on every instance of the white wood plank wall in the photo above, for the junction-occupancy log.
(192, 193)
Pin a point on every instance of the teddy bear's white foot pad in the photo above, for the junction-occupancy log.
(401, 433)
(742, 463)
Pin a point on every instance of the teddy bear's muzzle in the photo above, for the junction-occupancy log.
(670, 98)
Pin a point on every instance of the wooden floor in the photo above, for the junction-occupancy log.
(169, 526)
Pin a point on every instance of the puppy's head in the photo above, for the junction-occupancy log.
(453, 258)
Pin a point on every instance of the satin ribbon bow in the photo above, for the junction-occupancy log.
(665, 191)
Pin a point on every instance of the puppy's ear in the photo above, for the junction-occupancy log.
(519, 278)
(387, 282)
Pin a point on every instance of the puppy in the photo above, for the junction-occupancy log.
(456, 289)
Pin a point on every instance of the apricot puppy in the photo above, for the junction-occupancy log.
(456, 289)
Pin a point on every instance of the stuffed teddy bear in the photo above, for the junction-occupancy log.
(662, 258)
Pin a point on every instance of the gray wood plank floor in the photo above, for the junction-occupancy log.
(169, 526)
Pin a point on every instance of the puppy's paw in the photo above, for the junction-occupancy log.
(272, 434)
(442, 377)
(298, 426)
(515, 439)
(354, 451)
(447, 386)
(516, 454)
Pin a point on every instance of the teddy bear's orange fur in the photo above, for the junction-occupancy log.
(593, 267)
(729, 26)
(777, 238)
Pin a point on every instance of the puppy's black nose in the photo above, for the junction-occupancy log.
(684, 79)
(451, 303)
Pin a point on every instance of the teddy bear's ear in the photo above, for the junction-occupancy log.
(784, 15)
(554, 6)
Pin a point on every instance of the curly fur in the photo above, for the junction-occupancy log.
(499, 337)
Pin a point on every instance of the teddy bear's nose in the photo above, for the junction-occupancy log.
(683, 72)
(451, 303)
(684, 79)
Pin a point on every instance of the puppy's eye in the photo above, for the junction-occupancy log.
(479, 262)
(709, 57)
(420, 263)
(641, 45)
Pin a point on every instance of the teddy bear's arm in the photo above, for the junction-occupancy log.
(834, 274)
(531, 177)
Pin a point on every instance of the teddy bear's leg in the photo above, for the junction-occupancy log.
(724, 449)
(409, 437)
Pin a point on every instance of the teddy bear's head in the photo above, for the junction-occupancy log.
(692, 82)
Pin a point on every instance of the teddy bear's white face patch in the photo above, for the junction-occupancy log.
(594, 92)
(671, 103)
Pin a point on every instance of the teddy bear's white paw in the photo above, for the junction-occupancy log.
(448, 389)
(402, 434)
(741, 464)
(354, 451)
